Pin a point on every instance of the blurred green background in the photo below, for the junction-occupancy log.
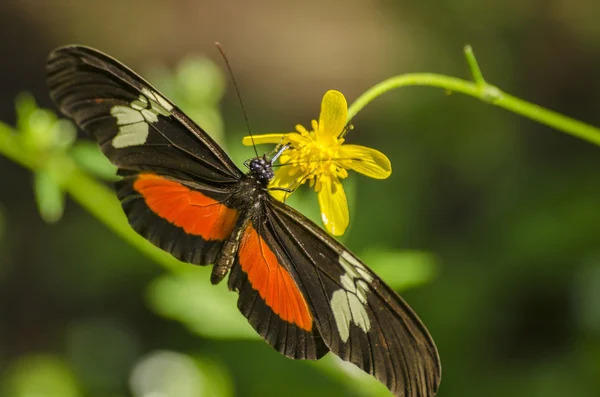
(489, 224)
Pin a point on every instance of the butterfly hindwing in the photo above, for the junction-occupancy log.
(270, 298)
(358, 317)
(189, 220)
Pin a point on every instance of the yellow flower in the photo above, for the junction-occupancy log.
(320, 157)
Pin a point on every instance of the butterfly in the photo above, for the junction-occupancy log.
(300, 289)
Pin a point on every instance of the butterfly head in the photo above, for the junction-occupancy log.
(262, 168)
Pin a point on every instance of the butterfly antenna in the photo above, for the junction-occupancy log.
(237, 90)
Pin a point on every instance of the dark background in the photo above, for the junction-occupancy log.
(504, 212)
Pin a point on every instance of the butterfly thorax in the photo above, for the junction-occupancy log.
(253, 187)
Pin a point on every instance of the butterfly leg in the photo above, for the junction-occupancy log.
(226, 257)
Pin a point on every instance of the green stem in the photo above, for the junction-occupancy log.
(483, 91)
(96, 198)
(474, 66)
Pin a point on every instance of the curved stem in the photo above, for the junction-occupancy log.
(483, 91)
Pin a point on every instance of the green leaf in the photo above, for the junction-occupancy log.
(401, 269)
(199, 80)
(88, 156)
(41, 375)
(188, 297)
(25, 105)
(361, 383)
(49, 196)
(35, 124)
(217, 381)
(64, 133)
(41, 129)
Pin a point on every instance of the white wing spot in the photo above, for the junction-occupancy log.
(134, 120)
(348, 303)
(342, 314)
(156, 97)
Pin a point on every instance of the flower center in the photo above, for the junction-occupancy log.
(315, 157)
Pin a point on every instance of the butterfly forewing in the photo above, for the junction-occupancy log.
(136, 126)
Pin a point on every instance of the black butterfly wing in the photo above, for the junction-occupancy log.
(356, 315)
(177, 180)
(137, 127)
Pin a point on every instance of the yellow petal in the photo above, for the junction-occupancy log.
(294, 138)
(264, 138)
(334, 206)
(285, 177)
(334, 112)
(367, 161)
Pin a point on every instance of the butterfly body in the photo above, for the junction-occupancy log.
(302, 291)
(249, 195)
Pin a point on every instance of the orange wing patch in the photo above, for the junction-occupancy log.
(189, 209)
(272, 281)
